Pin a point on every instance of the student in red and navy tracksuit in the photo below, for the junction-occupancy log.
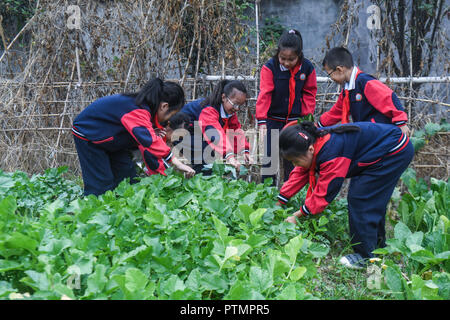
(107, 129)
(217, 121)
(363, 97)
(373, 155)
(288, 88)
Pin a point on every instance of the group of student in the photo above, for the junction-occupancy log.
(373, 151)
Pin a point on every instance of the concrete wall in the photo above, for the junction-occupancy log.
(314, 19)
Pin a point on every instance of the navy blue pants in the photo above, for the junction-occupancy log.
(103, 170)
(267, 161)
(368, 196)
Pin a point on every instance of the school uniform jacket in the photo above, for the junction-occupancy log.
(116, 123)
(193, 109)
(342, 155)
(286, 95)
(214, 123)
(369, 100)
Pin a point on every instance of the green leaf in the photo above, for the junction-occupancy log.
(214, 281)
(6, 265)
(154, 217)
(414, 239)
(49, 210)
(298, 273)
(37, 280)
(55, 246)
(136, 201)
(401, 231)
(194, 280)
(215, 206)
(249, 199)
(172, 285)
(260, 279)
(293, 247)
(243, 291)
(381, 251)
(183, 199)
(394, 282)
(136, 280)
(97, 281)
(323, 221)
(18, 240)
(245, 210)
(257, 240)
(318, 250)
(288, 293)
(418, 214)
(221, 228)
(423, 256)
(432, 128)
(230, 251)
(8, 207)
(256, 216)
(6, 288)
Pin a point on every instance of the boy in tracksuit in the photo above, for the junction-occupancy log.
(373, 155)
(363, 97)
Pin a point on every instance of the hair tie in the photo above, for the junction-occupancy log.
(304, 136)
(292, 31)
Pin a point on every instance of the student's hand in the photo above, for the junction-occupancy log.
(248, 158)
(160, 132)
(188, 171)
(405, 130)
(291, 219)
(234, 162)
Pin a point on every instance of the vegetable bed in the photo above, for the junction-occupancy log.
(203, 238)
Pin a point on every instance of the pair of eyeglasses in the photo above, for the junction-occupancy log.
(235, 106)
(329, 74)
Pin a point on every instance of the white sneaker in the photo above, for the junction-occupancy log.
(353, 261)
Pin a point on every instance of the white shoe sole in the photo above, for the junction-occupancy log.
(344, 261)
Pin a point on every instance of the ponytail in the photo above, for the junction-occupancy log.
(156, 91)
(224, 86)
(290, 39)
(295, 140)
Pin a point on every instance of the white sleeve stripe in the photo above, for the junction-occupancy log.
(305, 209)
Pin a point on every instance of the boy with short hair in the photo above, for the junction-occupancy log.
(364, 97)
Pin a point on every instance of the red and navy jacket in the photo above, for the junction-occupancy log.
(116, 123)
(223, 134)
(342, 155)
(286, 95)
(193, 109)
(369, 100)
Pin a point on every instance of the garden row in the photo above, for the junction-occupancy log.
(203, 238)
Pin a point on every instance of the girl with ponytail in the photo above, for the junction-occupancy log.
(106, 130)
(373, 155)
(288, 88)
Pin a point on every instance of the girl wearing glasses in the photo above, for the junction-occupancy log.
(288, 88)
(220, 127)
